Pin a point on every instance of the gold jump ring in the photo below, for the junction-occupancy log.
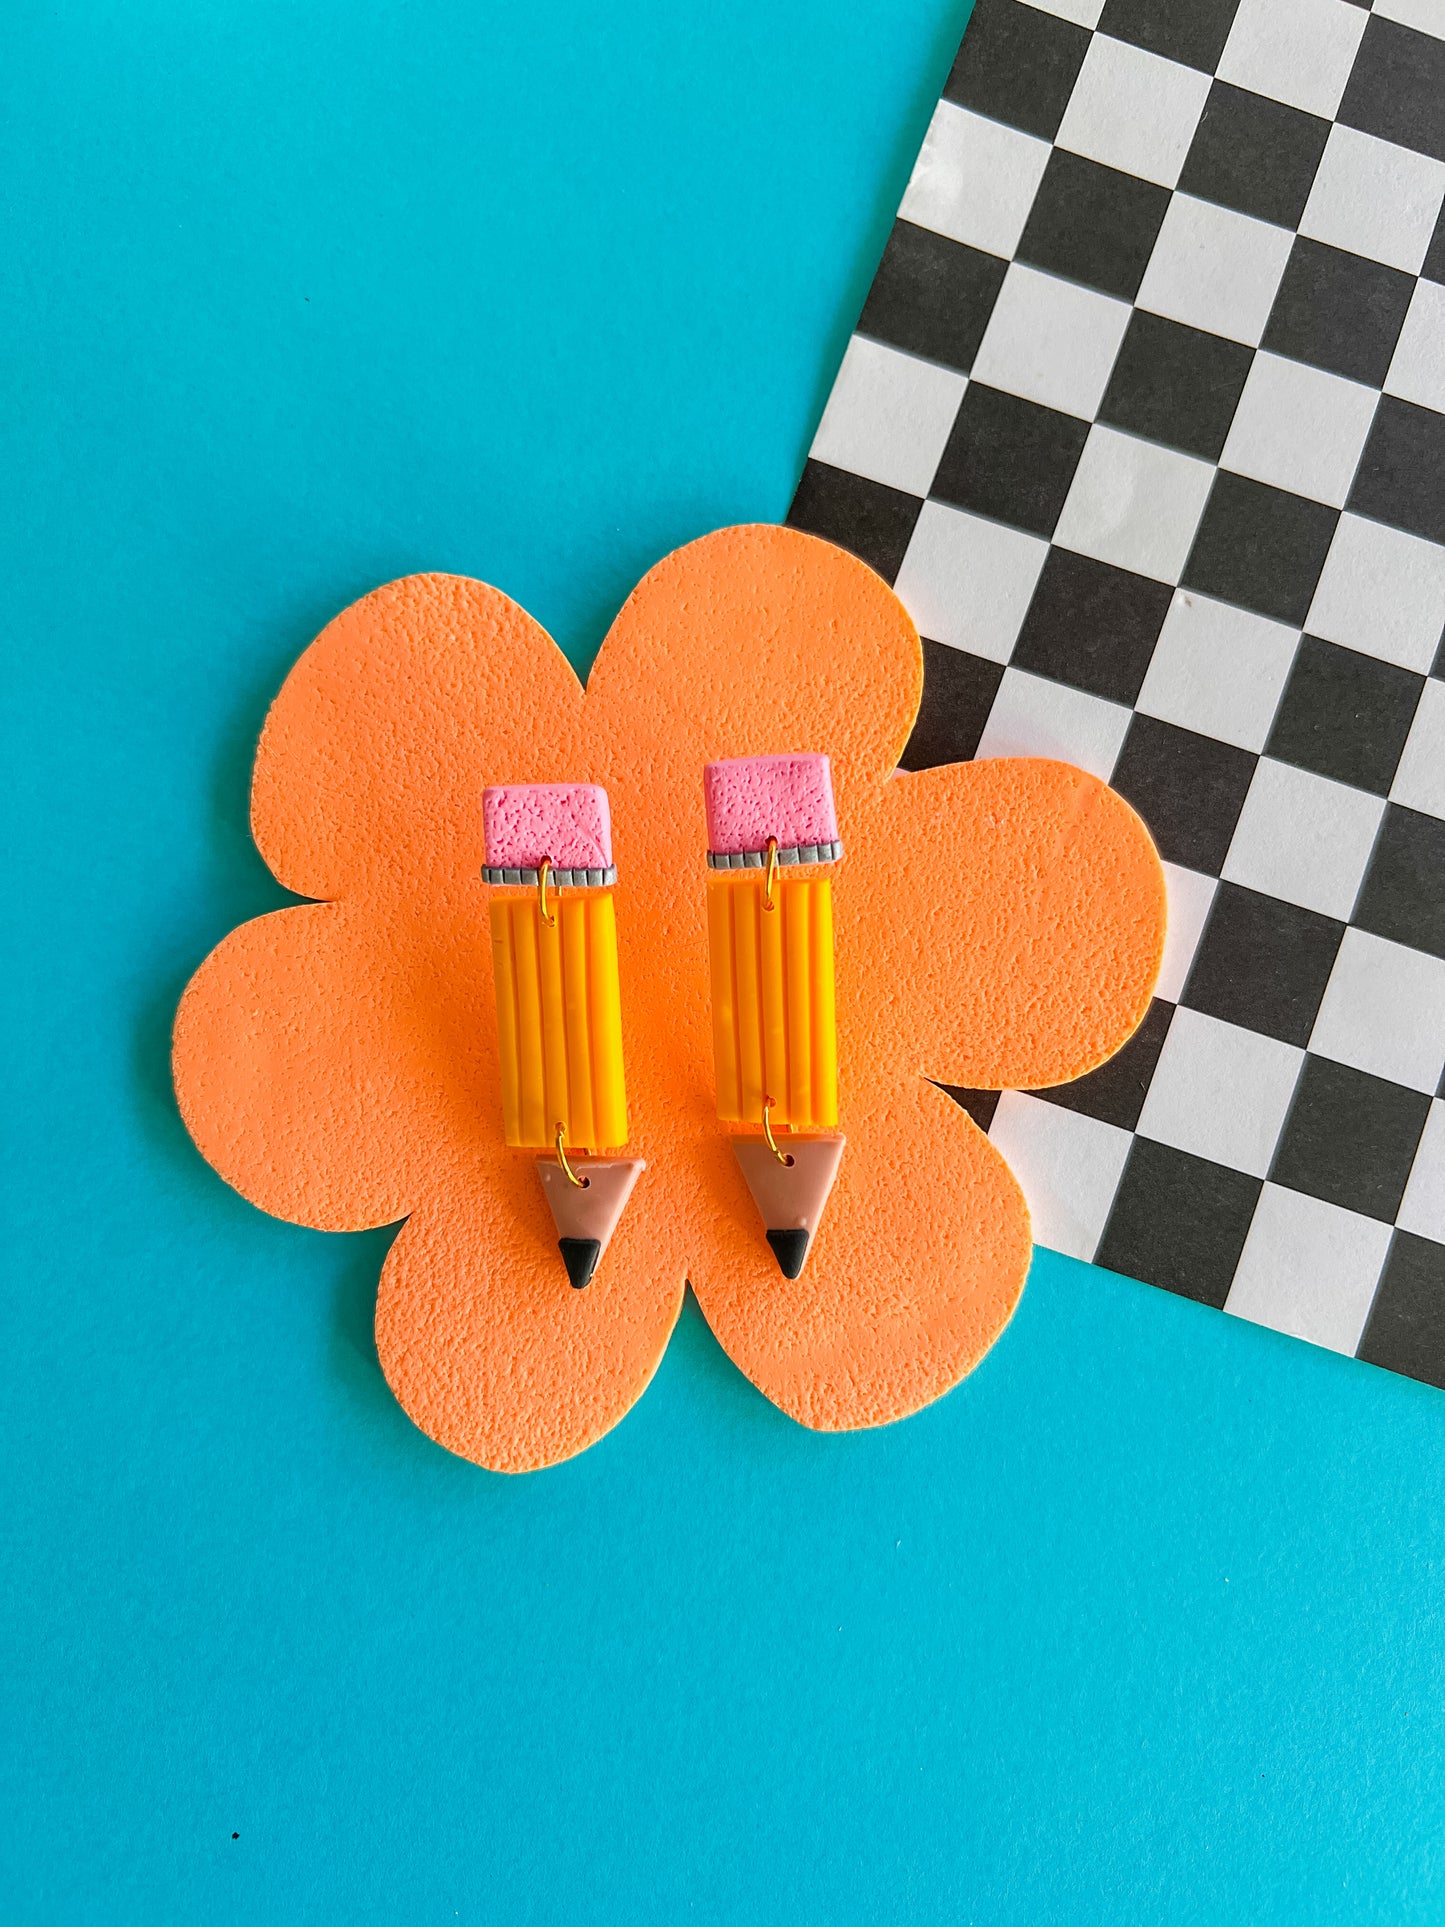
(771, 877)
(544, 870)
(783, 1157)
(567, 1171)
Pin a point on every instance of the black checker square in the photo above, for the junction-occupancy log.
(1010, 459)
(932, 296)
(1350, 1139)
(958, 693)
(1178, 1221)
(1260, 547)
(1017, 65)
(1192, 32)
(1188, 788)
(1396, 89)
(1091, 223)
(1254, 154)
(1339, 311)
(1434, 267)
(1401, 477)
(1092, 625)
(1405, 1331)
(1263, 964)
(1175, 385)
(873, 521)
(1403, 895)
(1115, 1092)
(980, 1105)
(1345, 715)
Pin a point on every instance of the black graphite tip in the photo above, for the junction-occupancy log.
(580, 1256)
(790, 1248)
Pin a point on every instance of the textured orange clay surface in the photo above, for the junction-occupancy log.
(997, 924)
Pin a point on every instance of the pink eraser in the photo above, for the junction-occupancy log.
(568, 822)
(750, 798)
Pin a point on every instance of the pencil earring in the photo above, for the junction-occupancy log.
(559, 1012)
(772, 838)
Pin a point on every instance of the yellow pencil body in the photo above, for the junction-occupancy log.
(559, 1020)
(774, 1029)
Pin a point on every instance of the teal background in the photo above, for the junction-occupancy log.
(1143, 1623)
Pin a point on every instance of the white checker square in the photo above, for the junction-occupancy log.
(1218, 670)
(1135, 504)
(968, 582)
(1069, 1167)
(1083, 13)
(1309, 1268)
(888, 416)
(1214, 269)
(1426, 16)
(1190, 895)
(1221, 1092)
(1133, 110)
(1303, 838)
(974, 180)
(1384, 1012)
(1300, 429)
(1422, 1209)
(1051, 341)
(1420, 778)
(1297, 51)
(1417, 372)
(1373, 198)
(1034, 716)
(1381, 592)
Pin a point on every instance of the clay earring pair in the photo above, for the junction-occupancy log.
(772, 837)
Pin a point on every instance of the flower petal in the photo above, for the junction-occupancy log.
(1037, 901)
(749, 641)
(916, 1268)
(337, 1064)
(486, 1344)
(371, 761)
(336, 1061)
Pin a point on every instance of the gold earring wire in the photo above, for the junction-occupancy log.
(567, 1171)
(771, 878)
(783, 1157)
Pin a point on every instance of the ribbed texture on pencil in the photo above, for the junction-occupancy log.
(559, 1022)
(774, 1033)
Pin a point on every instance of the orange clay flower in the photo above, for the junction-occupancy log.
(999, 924)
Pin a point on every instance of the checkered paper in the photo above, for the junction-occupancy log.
(1145, 419)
